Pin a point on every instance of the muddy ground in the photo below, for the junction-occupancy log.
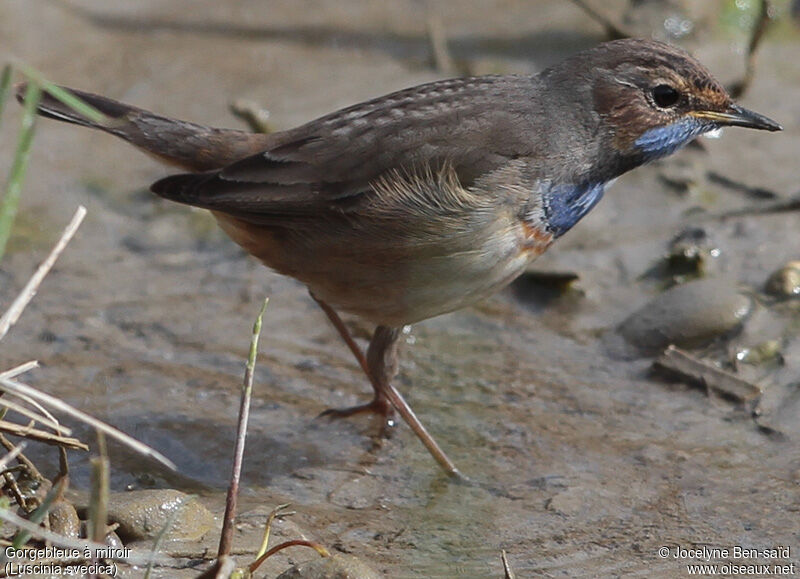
(587, 463)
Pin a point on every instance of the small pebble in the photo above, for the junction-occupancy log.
(690, 254)
(785, 282)
(64, 519)
(759, 354)
(688, 315)
(143, 514)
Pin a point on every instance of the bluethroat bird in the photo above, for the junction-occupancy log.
(426, 200)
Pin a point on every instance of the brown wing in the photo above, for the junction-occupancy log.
(474, 125)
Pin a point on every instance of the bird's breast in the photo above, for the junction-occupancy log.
(418, 247)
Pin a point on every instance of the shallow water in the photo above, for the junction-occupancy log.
(583, 463)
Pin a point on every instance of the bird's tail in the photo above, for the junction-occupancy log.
(184, 144)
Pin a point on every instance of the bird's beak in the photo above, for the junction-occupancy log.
(738, 117)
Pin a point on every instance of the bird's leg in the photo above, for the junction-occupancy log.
(379, 403)
(380, 365)
(383, 364)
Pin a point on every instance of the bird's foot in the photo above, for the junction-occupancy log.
(378, 405)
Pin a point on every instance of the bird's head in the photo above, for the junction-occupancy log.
(653, 98)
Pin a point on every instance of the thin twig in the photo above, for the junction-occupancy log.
(41, 435)
(53, 402)
(683, 364)
(13, 313)
(442, 59)
(26, 367)
(47, 413)
(12, 489)
(613, 32)
(410, 418)
(21, 369)
(33, 472)
(254, 116)
(36, 517)
(755, 192)
(12, 454)
(761, 25)
(508, 571)
(20, 409)
(226, 537)
(98, 502)
(63, 464)
(783, 205)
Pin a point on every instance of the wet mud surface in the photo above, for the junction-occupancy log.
(584, 462)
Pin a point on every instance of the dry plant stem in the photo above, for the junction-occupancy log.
(12, 454)
(21, 369)
(10, 484)
(507, 570)
(226, 537)
(613, 31)
(682, 363)
(225, 567)
(22, 459)
(382, 358)
(422, 433)
(442, 59)
(63, 464)
(255, 117)
(41, 435)
(323, 552)
(782, 206)
(754, 192)
(759, 28)
(18, 388)
(40, 513)
(60, 429)
(13, 313)
(43, 420)
(98, 503)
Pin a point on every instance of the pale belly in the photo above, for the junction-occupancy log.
(400, 279)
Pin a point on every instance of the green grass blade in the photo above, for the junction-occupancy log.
(5, 88)
(10, 201)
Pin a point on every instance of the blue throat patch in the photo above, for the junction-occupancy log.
(662, 141)
(565, 205)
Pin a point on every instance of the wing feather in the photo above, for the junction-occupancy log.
(331, 163)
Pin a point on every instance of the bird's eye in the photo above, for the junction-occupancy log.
(665, 96)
